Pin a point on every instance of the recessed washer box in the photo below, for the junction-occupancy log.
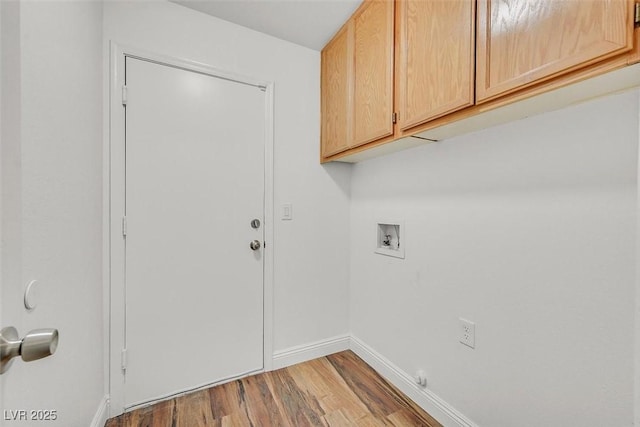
(390, 238)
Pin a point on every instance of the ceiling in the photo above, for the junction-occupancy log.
(309, 23)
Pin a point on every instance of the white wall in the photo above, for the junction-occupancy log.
(637, 313)
(527, 229)
(10, 205)
(311, 251)
(52, 201)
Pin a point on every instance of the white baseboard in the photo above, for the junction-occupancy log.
(447, 415)
(102, 414)
(302, 353)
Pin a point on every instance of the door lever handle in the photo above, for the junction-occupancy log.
(35, 345)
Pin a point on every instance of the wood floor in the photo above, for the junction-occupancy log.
(337, 390)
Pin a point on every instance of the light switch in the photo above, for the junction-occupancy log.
(287, 211)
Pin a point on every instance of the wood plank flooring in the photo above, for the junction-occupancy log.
(337, 390)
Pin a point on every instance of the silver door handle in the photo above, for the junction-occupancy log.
(255, 245)
(35, 345)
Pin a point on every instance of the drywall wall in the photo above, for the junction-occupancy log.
(637, 313)
(310, 251)
(9, 172)
(52, 202)
(10, 205)
(527, 229)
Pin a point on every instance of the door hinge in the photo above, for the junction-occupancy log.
(637, 14)
(394, 117)
(123, 359)
(124, 226)
(124, 95)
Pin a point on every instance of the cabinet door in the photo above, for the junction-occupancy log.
(436, 54)
(373, 73)
(335, 93)
(522, 42)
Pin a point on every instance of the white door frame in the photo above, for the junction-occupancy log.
(114, 187)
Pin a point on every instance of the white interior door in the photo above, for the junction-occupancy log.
(194, 183)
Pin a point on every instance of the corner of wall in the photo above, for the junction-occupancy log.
(442, 411)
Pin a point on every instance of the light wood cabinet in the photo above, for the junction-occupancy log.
(524, 42)
(336, 88)
(373, 73)
(357, 80)
(447, 67)
(434, 58)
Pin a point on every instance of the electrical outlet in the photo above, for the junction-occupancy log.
(467, 333)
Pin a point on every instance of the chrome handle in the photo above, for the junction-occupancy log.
(35, 345)
(39, 343)
(255, 245)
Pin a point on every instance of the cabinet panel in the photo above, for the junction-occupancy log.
(336, 77)
(436, 49)
(522, 42)
(373, 73)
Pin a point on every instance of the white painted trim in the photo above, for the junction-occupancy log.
(269, 215)
(115, 242)
(114, 206)
(446, 414)
(102, 413)
(302, 353)
(106, 226)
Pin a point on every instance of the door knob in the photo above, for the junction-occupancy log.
(35, 345)
(39, 343)
(255, 245)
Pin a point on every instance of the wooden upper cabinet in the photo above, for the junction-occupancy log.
(435, 58)
(523, 42)
(335, 93)
(373, 71)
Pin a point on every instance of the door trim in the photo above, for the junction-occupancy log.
(114, 196)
